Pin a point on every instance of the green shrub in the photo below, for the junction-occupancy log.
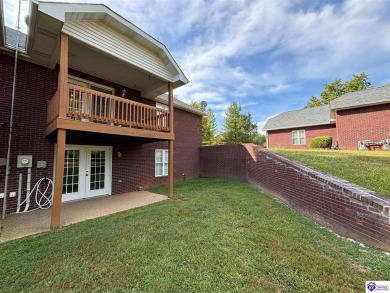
(321, 142)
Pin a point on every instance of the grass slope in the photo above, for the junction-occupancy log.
(368, 169)
(214, 236)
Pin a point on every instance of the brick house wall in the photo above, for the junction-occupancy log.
(366, 123)
(136, 166)
(283, 138)
(223, 161)
(347, 209)
(35, 86)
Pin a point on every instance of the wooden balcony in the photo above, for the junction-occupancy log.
(93, 111)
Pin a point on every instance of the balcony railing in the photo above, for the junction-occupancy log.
(87, 105)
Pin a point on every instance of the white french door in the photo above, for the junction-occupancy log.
(87, 172)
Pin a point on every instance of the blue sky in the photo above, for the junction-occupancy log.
(270, 56)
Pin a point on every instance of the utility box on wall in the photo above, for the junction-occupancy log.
(3, 161)
(24, 161)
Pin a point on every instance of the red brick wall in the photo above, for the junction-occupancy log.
(35, 86)
(367, 123)
(339, 205)
(223, 161)
(283, 138)
(136, 166)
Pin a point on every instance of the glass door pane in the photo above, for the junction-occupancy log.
(71, 172)
(97, 170)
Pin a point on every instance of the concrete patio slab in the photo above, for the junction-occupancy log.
(17, 226)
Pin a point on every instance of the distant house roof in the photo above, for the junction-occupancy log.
(371, 96)
(322, 115)
(180, 105)
(300, 118)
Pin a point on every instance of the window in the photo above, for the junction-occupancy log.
(161, 161)
(298, 137)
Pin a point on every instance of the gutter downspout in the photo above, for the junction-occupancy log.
(7, 168)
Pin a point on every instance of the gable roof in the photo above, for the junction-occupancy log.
(300, 118)
(127, 55)
(372, 96)
(70, 13)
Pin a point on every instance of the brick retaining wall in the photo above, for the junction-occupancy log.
(348, 209)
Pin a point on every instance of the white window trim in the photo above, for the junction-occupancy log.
(299, 137)
(165, 154)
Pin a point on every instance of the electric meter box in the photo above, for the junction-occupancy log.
(3, 162)
(24, 161)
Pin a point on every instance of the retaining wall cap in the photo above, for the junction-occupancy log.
(349, 189)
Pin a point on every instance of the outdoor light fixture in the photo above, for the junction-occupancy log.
(123, 92)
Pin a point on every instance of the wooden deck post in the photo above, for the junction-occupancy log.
(63, 76)
(58, 180)
(61, 133)
(170, 142)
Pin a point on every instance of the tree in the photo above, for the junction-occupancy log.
(260, 139)
(336, 89)
(209, 125)
(238, 127)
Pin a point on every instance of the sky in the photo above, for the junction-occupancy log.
(270, 56)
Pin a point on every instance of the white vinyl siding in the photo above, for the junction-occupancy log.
(104, 38)
(298, 137)
(161, 163)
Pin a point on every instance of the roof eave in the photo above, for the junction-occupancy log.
(179, 106)
(299, 126)
(360, 106)
(31, 24)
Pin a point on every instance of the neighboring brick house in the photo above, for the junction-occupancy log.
(352, 118)
(90, 107)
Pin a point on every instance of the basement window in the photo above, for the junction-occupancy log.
(298, 137)
(161, 163)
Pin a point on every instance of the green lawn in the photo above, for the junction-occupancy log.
(365, 168)
(214, 236)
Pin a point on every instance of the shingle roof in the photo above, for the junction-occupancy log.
(2, 34)
(300, 118)
(180, 104)
(371, 96)
(10, 39)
